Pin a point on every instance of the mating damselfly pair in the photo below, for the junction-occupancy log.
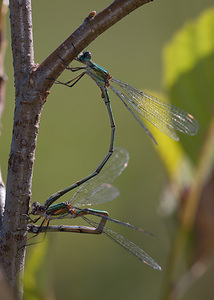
(98, 189)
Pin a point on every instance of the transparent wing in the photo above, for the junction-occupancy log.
(103, 193)
(166, 117)
(89, 192)
(128, 245)
(126, 224)
(132, 248)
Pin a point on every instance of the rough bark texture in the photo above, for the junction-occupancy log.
(3, 44)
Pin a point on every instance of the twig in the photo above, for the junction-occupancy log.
(93, 26)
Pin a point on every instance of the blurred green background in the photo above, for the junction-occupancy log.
(74, 137)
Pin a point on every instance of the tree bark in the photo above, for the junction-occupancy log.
(3, 44)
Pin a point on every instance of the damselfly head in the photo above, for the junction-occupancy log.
(38, 209)
(85, 57)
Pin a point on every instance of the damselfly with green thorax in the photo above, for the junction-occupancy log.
(95, 191)
(165, 116)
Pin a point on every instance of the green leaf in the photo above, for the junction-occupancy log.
(188, 76)
(170, 151)
(34, 266)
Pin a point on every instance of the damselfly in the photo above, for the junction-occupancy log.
(95, 191)
(165, 116)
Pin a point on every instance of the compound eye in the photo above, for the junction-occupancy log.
(35, 205)
(88, 55)
(85, 56)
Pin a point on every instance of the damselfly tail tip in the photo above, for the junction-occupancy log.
(150, 134)
(147, 232)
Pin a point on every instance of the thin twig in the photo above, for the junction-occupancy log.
(93, 26)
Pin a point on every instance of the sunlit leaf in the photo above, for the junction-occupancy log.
(33, 267)
(188, 76)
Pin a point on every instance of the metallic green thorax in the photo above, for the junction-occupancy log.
(97, 73)
(59, 209)
(66, 208)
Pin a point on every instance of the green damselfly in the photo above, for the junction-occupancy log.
(165, 116)
(95, 191)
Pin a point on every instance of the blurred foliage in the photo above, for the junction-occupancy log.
(189, 65)
(34, 275)
(189, 70)
(189, 80)
(74, 136)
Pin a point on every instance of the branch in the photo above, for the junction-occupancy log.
(93, 26)
(25, 129)
(2, 198)
(6, 292)
(3, 44)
